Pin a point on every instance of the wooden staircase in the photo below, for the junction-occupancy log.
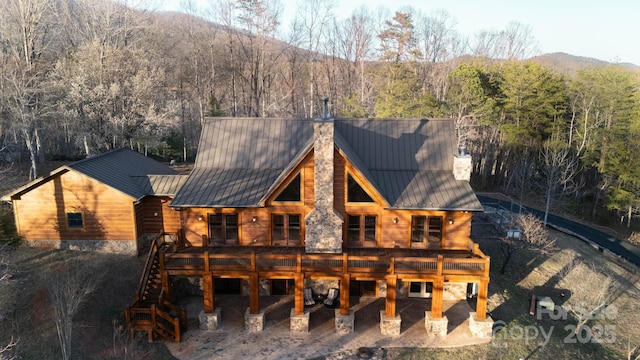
(151, 312)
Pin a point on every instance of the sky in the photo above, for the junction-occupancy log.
(605, 30)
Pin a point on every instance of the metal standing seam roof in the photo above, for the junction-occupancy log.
(409, 161)
(161, 185)
(116, 168)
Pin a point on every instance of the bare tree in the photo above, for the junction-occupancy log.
(559, 169)
(588, 302)
(633, 353)
(25, 36)
(69, 287)
(7, 348)
(515, 42)
(532, 236)
(6, 351)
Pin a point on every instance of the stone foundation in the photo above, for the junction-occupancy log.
(344, 323)
(299, 323)
(128, 247)
(389, 326)
(435, 326)
(210, 321)
(482, 328)
(254, 322)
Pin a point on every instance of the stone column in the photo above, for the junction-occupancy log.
(435, 326)
(210, 321)
(344, 323)
(299, 323)
(253, 322)
(323, 230)
(482, 328)
(389, 325)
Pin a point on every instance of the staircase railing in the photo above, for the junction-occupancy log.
(153, 250)
(161, 317)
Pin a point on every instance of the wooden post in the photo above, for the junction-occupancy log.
(481, 304)
(345, 263)
(206, 261)
(166, 287)
(390, 306)
(299, 294)
(253, 261)
(344, 294)
(254, 292)
(209, 296)
(205, 241)
(439, 265)
(436, 301)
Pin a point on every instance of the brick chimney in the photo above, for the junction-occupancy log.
(323, 232)
(462, 164)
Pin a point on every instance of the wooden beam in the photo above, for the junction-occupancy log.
(208, 288)
(481, 304)
(344, 295)
(299, 294)
(254, 293)
(436, 301)
(390, 305)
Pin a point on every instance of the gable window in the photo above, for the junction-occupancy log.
(223, 229)
(355, 192)
(291, 193)
(285, 230)
(426, 230)
(75, 220)
(361, 230)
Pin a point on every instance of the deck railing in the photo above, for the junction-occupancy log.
(328, 263)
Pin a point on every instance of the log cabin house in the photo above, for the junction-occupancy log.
(111, 202)
(294, 206)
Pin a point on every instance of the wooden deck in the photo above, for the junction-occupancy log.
(380, 262)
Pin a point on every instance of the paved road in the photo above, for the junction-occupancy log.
(603, 240)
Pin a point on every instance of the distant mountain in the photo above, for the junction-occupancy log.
(569, 64)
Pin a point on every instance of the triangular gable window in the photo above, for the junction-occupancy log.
(291, 193)
(355, 192)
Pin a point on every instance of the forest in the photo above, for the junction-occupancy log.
(80, 77)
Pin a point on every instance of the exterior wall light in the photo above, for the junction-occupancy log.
(395, 220)
(254, 219)
(450, 221)
(200, 217)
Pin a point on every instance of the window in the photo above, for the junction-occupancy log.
(74, 220)
(291, 193)
(361, 230)
(425, 230)
(355, 192)
(223, 229)
(285, 230)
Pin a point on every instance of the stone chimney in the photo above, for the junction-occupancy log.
(462, 164)
(323, 231)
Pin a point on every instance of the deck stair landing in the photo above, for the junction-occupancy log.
(151, 312)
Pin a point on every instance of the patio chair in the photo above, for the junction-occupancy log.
(330, 301)
(308, 297)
